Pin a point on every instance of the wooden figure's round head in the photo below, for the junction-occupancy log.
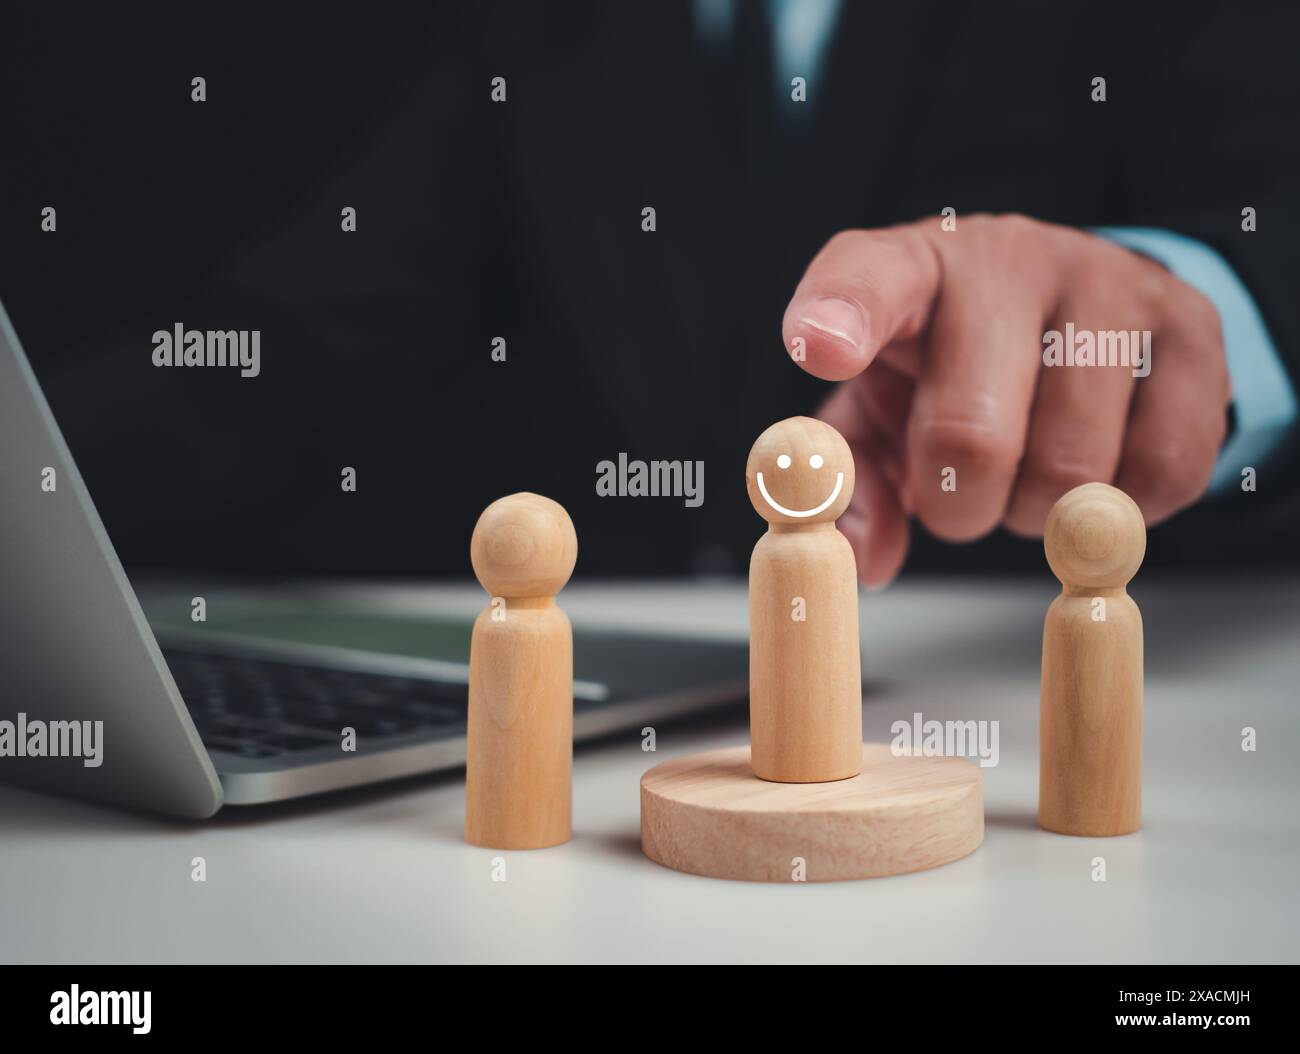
(1095, 537)
(524, 545)
(800, 471)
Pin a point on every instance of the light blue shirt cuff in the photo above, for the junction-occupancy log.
(1262, 395)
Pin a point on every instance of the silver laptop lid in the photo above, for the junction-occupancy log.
(75, 648)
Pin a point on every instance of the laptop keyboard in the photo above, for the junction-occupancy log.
(259, 709)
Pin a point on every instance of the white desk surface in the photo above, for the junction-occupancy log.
(382, 874)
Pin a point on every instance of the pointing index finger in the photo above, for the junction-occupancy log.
(863, 291)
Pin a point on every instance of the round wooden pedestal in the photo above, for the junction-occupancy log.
(708, 814)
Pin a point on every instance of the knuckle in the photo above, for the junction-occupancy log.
(1172, 470)
(1202, 313)
(1115, 278)
(1024, 238)
(1195, 334)
(982, 233)
(1050, 477)
(1152, 286)
(1121, 286)
(1027, 249)
(968, 441)
(1191, 314)
(1018, 225)
(1099, 285)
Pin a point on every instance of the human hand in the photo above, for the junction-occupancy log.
(939, 339)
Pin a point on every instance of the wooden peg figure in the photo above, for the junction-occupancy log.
(519, 767)
(805, 673)
(1090, 718)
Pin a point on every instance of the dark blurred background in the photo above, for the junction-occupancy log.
(523, 220)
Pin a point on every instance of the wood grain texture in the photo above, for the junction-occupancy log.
(805, 673)
(519, 766)
(707, 814)
(1090, 713)
(805, 678)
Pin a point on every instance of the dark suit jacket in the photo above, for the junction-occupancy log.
(523, 220)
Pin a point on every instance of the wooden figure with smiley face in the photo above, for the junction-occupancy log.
(805, 672)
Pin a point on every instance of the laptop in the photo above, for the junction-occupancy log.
(251, 705)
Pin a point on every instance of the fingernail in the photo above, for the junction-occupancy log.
(837, 318)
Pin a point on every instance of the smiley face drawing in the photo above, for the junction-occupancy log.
(800, 471)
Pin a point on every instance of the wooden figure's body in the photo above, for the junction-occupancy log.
(1090, 717)
(805, 675)
(519, 765)
(519, 770)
